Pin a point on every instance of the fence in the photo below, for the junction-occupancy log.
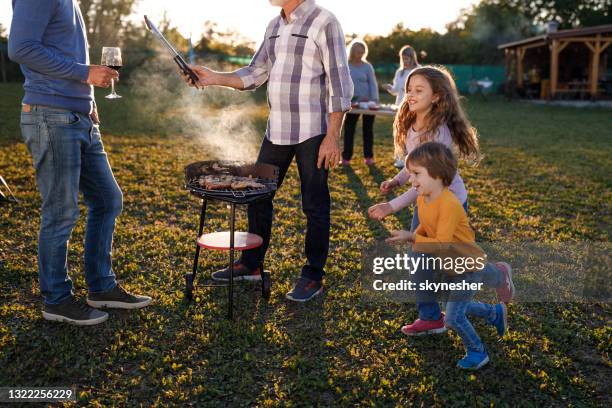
(463, 74)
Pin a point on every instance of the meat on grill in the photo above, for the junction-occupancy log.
(227, 182)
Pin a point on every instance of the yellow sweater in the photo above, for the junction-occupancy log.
(443, 220)
(444, 229)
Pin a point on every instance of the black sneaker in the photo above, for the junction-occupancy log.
(304, 290)
(118, 298)
(74, 312)
(241, 272)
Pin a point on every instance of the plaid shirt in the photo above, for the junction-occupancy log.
(304, 61)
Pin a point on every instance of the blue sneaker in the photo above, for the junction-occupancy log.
(473, 360)
(305, 289)
(501, 318)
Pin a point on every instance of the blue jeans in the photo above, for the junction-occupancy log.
(69, 157)
(460, 305)
(427, 301)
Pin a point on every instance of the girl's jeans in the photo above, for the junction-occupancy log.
(69, 157)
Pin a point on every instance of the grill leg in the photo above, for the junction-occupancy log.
(266, 282)
(190, 277)
(230, 310)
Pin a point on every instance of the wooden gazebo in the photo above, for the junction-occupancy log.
(585, 49)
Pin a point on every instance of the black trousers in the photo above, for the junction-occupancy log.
(350, 123)
(315, 204)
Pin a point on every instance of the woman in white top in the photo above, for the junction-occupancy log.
(408, 62)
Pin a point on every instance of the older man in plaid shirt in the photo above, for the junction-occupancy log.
(303, 59)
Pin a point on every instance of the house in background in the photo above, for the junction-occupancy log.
(570, 64)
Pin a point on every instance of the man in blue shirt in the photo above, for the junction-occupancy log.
(60, 126)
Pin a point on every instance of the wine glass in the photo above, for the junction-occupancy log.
(111, 57)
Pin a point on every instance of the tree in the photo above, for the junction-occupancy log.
(227, 42)
(106, 21)
(568, 13)
(486, 25)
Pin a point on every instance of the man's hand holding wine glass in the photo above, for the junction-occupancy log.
(101, 76)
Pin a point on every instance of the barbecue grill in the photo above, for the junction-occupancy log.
(264, 174)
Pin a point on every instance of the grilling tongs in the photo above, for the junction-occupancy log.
(8, 196)
(175, 55)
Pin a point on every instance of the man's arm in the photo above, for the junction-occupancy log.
(329, 151)
(30, 20)
(208, 77)
(248, 78)
(340, 90)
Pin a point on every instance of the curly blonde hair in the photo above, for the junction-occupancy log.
(445, 111)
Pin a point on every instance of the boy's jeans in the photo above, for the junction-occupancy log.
(69, 157)
(460, 305)
(427, 302)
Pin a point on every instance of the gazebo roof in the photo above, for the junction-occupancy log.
(545, 38)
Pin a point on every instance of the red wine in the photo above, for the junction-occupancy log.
(115, 67)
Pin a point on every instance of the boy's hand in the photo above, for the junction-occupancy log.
(380, 211)
(400, 236)
(388, 185)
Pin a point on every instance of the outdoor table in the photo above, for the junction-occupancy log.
(375, 112)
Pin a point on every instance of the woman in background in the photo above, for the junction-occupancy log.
(408, 62)
(366, 90)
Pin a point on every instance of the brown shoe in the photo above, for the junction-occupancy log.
(118, 298)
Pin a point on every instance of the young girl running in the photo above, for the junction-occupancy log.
(430, 112)
(444, 230)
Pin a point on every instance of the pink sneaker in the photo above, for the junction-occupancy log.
(506, 292)
(369, 161)
(421, 327)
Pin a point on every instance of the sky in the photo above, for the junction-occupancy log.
(250, 17)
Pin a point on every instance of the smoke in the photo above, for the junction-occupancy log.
(220, 121)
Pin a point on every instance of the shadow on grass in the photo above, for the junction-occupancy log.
(364, 201)
(269, 348)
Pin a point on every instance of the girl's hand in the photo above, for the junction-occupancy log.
(400, 236)
(380, 211)
(388, 185)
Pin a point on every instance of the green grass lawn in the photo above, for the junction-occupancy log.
(545, 176)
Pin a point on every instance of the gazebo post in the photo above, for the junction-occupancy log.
(596, 50)
(520, 54)
(554, 68)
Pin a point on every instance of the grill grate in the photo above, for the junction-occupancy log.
(265, 174)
